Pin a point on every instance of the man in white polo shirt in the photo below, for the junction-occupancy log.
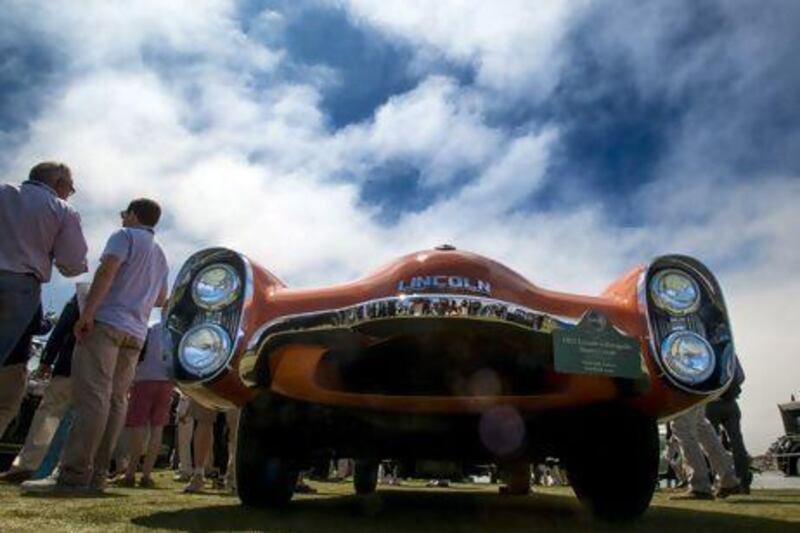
(131, 280)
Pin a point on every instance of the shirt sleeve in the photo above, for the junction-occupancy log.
(69, 247)
(165, 282)
(118, 245)
(62, 329)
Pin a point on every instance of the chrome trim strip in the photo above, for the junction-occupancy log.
(438, 305)
(249, 290)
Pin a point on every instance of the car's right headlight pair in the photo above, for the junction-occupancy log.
(675, 292)
(688, 356)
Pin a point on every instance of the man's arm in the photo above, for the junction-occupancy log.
(101, 283)
(69, 247)
(162, 297)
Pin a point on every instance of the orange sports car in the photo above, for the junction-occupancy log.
(447, 355)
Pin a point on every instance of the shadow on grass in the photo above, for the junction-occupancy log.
(442, 511)
(762, 502)
(72, 495)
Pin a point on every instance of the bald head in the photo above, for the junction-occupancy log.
(55, 175)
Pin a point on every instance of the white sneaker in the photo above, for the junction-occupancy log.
(196, 484)
(50, 485)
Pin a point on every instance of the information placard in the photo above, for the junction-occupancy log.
(594, 346)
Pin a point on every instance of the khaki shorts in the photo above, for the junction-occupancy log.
(201, 413)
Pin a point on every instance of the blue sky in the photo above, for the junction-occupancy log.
(570, 140)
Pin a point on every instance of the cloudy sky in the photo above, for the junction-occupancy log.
(570, 140)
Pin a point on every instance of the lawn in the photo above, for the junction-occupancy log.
(411, 507)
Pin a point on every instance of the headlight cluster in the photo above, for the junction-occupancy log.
(688, 356)
(675, 292)
(204, 349)
(215, 287)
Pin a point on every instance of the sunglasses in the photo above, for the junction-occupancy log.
(69, 184)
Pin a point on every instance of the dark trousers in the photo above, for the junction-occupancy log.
(20, 295)
(726, 413)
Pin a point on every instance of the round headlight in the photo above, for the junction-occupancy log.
(675, 292)
(204, 349)
(215, 287)
(688, 357)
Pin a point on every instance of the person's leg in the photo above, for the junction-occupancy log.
(156, 433)
(185, 429)
(203, 442)
(741, 459)
(160, 393)
(93, 363)
(13, 382)
(135, 432)
(232, 419)
(721, 461)
(20, 295)
(135, 449)
(124, 370)
(685, 430)
(55, 403)
(51, 460)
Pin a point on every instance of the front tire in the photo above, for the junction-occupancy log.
(365, 476)
(613, 463)
(265, 479)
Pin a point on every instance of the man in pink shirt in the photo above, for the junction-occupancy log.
(37, 228)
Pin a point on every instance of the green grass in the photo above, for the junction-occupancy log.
(411, 507)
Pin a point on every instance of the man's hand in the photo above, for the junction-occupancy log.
(83, 326)
(101, 283)
(43, 372)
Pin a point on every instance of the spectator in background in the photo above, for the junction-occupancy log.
(696, 436)
(184, 430)
(725, 412)
(55, 364)
(131, 280)
(149, 405)
(204, 441)
(37, 227)
(14, 372)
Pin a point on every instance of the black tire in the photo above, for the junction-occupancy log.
(612, 463)
(264, 479)
(517, 477)
(365, 476)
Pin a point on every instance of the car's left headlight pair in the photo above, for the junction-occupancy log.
(216, 286)
(204, 349)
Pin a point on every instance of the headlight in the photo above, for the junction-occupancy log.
(675, 292)
(204, 349)
(215, 287)
(688, 356)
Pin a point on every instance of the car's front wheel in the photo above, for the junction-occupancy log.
(613, 463)
(264, 477)
(365, 476)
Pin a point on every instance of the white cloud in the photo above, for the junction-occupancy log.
(437, 127)
(514, 45)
